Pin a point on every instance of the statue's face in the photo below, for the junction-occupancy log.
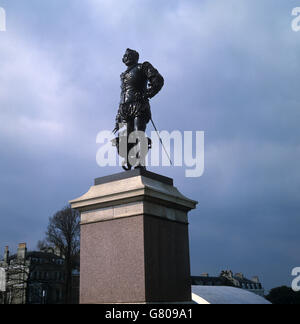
(129, 58)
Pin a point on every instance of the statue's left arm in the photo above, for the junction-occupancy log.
(156, 81)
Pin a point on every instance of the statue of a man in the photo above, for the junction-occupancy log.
(139, 83)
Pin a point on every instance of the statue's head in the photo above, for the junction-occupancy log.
(131, 57)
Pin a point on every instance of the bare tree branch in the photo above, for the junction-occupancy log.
(63, 232)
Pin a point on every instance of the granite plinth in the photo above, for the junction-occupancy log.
(134, 240)
(132, 174)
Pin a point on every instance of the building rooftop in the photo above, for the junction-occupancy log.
(225, 295)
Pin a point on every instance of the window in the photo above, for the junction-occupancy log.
(58, 295)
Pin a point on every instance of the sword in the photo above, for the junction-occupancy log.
(161, 141)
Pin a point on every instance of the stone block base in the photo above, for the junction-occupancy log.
(134, 241)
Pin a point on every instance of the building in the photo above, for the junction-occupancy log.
(14, 276)
(216, 295)
(227, 278)
(36, 277)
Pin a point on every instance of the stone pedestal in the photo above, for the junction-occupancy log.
(134, 240)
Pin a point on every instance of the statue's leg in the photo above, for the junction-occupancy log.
(129, 128)
(140, 125)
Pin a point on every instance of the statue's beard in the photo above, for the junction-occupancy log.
(129, 62)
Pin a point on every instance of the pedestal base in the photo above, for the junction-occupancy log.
(134, 241)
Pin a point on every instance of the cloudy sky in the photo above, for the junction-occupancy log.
(231, 69)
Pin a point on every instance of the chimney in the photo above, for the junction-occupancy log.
(239, 275)
(255, 279)
(57, 251)
(205, 275)
(21, 254)
(6, 254)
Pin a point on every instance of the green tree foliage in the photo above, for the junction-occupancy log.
(284, 295)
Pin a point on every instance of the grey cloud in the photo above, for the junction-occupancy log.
(230, 69)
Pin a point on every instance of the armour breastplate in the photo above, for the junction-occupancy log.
(133, 84)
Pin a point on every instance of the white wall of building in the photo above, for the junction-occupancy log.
(2, 279)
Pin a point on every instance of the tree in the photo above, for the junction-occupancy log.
(63, 232)
(283, 295)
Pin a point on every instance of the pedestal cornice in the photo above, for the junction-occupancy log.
(130, 190)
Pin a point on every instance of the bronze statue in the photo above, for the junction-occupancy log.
(139, 83)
